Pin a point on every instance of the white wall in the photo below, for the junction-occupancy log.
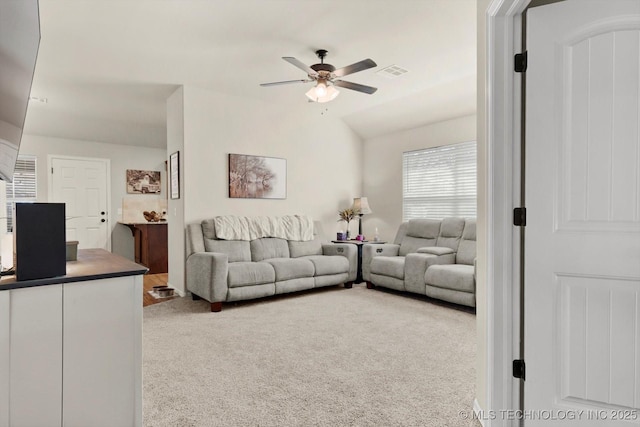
(122, 157)
(383, 168)
(324, 158)
(175, 207)
(482, 246)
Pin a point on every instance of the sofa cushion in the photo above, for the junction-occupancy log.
(456, 297)
(310, 247)
(329, 264)
(268, 248)
(388, 266)
(402, 232)
(458, 277)
(412, 244)
(466, 252)
(469, 232)
(450, 233)
(424, 228)
(242, 293)
(294, 285)
(208, 229)
(195, 239)
(291, 268)
(436, 250)
(388, 282)
(330, 280)
(467, 247)
(249, 274)
(236, 250)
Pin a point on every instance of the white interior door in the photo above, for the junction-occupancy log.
(82, 185)
(582, 244)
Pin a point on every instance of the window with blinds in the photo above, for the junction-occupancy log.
(440, 182)
(23, 187)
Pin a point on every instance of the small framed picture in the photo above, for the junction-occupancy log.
(143, 182)
(174, 174)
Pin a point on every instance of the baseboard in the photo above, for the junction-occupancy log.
(477, 411)
(177, 291)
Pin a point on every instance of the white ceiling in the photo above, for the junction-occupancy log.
(108, 66)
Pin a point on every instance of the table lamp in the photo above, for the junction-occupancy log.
(361, 206)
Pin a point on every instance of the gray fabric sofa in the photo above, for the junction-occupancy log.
(428, 257)
(233, 270)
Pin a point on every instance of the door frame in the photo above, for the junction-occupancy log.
(503, 137)
(107, 164)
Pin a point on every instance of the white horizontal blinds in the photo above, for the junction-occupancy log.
(440, 182)
(23, 187)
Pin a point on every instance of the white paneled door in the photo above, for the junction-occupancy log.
(82, 185)
(582, 241)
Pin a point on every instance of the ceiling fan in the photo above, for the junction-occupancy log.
(326, 77)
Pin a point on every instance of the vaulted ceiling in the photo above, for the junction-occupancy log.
(106, 67)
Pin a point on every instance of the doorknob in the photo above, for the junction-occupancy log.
(102, 213)
(103, 220)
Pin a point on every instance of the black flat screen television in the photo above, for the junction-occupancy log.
(19, 43)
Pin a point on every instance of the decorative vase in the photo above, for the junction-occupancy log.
(348, 233)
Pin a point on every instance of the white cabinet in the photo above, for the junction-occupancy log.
(71, 354)
(102, 353)
(32, 355)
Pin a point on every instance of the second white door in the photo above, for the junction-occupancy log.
(82, 185)
(582, 243)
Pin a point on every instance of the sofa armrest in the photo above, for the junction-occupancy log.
(207, 275)
(372, 250)
(435, 250)
(346, 250)
(416, 265)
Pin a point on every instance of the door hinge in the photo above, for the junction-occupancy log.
(519, 369)
(520, 62)
(51, 171)
(520, 217)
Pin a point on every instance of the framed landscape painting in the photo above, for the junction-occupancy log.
(257, 177)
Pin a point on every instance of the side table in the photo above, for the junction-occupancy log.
(359, 244)
(150, 248)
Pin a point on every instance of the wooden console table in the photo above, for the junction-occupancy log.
(150, 245)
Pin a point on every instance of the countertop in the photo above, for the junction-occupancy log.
(92, 264)
(143, 223)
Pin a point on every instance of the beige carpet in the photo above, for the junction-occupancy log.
(328, 357)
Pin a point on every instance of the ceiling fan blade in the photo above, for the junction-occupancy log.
(293, 61)
(354, 68)
(355, 86)
(286, 82)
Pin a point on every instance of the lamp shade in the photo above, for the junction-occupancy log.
(322, 92)
(361, 206)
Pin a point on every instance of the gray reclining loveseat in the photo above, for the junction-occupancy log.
(233, 270)
(429, 257)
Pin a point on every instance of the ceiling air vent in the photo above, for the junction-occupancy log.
(392, 71)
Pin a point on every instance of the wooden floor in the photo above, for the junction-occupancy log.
(151, 280)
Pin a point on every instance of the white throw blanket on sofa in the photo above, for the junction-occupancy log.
(290, 227)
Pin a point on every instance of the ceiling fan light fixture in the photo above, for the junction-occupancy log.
(321, 89)
(322, 92)
(325, 76)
